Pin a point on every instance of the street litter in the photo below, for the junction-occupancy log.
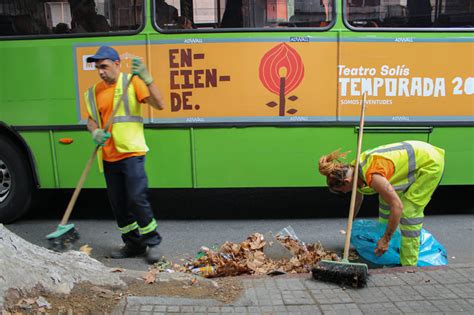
(42, 302)
(286, 254)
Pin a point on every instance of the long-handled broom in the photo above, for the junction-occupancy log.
(344, 272)
(66, 234)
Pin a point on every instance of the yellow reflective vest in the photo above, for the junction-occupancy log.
(127, 124)
(410, 160)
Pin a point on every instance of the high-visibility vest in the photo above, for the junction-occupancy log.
(408, 158)
(127, 124)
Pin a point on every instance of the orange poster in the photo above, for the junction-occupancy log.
(299, 80)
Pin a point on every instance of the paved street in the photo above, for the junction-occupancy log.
(436, 290)
(447, 290)
(185, 237)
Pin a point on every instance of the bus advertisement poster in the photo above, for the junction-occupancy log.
(312, 81)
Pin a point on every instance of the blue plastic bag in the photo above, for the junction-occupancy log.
(366, 233)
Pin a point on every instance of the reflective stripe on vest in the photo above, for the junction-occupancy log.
(411, 163)
(409, 233)
(120, 119)
(403, 221)
(93, 106)
(126, 104)
(411, 221)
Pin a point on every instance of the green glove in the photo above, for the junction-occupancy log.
(139, 68)
(100, 136)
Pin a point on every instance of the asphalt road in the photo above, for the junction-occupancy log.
(183, 238)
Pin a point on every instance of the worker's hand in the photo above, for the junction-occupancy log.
(382, 246)
(139, 68)
(100, 136)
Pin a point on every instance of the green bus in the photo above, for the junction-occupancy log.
(256, 90)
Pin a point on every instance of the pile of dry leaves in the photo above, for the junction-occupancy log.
(248, 257)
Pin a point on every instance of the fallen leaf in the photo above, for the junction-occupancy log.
(149, 278)
(248, 257)
(117, 270)
(86, 249)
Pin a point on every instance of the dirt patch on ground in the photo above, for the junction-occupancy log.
(86, 298)
(225, 290)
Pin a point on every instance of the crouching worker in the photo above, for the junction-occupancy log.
(405, 175)
(123, 154)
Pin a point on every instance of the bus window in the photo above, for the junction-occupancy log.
(410, 13)
(40, 17)
(238, 14)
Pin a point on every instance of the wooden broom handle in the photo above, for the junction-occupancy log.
(354, 181)
(86, 170)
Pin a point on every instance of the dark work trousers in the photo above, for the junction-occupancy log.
(127, 188)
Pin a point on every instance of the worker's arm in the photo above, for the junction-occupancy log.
(91, 125)
(155, 99)
(381, 185)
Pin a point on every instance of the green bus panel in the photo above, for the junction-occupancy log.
(372, 140)
(71, 160)
(257, 156)
(458, 142)
(49, 97)
(48, 94)
(265, 156)
(40, 146)
(169, 161)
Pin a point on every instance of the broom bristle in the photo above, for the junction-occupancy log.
(63, 238)
(344, 273)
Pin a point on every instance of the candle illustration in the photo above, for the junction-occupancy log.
(281, 71)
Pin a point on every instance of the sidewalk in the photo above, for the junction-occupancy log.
(436, 290)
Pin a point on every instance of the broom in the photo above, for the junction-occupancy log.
(66, 234)
(344, 272)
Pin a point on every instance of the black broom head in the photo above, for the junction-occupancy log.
(341, 272)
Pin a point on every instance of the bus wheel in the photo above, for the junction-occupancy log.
(16, 186)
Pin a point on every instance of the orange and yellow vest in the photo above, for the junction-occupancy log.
(127, 124)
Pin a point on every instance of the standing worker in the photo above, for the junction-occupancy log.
(405, 175)
(123, 154)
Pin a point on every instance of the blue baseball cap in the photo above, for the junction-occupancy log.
(104, 52)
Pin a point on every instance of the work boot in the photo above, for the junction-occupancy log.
(153, 255)
(127, 251)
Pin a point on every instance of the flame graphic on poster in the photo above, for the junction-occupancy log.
(281, 71)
